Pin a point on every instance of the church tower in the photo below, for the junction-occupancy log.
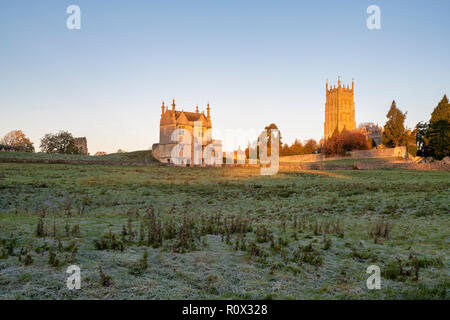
(339, 109)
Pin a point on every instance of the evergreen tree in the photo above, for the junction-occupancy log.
(394, 129)
(441, 112)
(437, 137)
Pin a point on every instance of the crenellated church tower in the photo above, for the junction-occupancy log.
(339, 109)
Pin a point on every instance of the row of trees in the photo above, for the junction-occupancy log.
(429, 139)
(61, 142)
(296, 148)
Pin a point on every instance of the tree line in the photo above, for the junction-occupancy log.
(427, 139)
(62, 142)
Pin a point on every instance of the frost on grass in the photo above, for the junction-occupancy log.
(199, 233)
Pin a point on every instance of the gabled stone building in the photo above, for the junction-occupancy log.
(172, 119)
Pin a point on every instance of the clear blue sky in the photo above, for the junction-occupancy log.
(256, 61)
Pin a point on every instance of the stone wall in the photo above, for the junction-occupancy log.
(302, 158)
(162, 151)
(399, 152)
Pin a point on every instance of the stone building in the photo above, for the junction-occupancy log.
(372, 130)
(171, 120)
(81, 144)
(339, 109)
(100, 153)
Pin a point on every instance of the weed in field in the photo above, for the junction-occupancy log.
(380, 230)
(28, 260)
(40, 232)
(105, 280)
(326, 242)
(141, 266)
(308, 254)
(108, 242)
(53, 260)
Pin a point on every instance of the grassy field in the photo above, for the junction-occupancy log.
(217, 233)
(144, 156)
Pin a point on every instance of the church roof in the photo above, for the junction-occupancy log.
(191, 116)
(181, 117)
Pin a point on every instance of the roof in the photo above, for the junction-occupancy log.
(191, 116)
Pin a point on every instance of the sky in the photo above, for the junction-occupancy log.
(256, 62)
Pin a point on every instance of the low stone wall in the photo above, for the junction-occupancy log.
(399, 152)
(438, 165)
(302, 158)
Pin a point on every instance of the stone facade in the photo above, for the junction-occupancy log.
(339, 109)
(81, 144)
(171, 120)
(373, 131)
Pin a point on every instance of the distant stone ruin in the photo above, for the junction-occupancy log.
(81, 144)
